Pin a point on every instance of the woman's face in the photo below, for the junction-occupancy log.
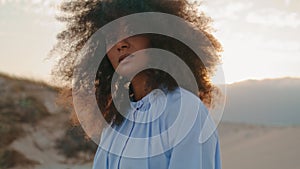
(122, 58)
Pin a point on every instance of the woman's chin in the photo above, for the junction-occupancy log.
(129, 70)
(128, 73)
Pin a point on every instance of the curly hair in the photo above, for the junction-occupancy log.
(84, 18)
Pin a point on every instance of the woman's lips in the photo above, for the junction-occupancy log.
(123, 57)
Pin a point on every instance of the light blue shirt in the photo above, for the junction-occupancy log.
(161, 131)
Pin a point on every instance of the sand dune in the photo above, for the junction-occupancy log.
(257, 147)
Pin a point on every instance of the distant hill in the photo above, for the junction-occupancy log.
(269, 102)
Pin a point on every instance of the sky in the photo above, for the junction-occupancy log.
(260, 38)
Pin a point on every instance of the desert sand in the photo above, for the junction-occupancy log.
(259, 147)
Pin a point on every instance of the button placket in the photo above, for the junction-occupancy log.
(139, 106)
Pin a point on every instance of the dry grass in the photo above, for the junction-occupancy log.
(17, 107)
(14, 112)
(75, 142)
(24, 80)
(20, 105)
(10, 158)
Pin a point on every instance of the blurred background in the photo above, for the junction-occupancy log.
(260, 127)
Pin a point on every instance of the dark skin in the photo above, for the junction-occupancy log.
(139, 85)
(131, 65)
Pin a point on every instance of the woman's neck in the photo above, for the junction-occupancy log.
(140, 86)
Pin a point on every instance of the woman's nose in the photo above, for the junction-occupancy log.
(123, 45)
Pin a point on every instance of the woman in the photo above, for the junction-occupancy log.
(159, 127)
